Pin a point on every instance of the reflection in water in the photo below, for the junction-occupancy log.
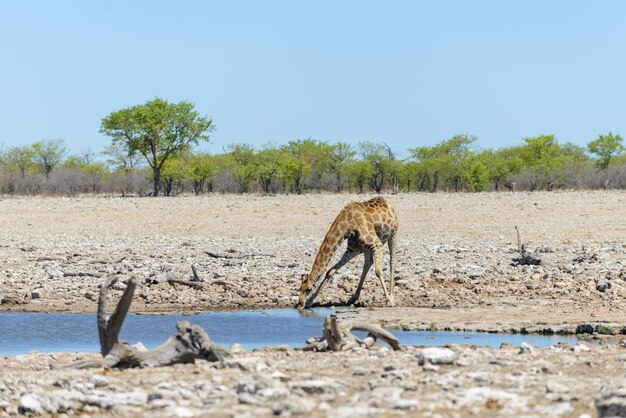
(24, 332)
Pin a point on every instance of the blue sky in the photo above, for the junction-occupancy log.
(407, 73)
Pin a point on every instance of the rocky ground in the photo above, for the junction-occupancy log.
(459, 381)
(454, 272)
(455, 253)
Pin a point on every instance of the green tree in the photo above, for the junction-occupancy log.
(606, 148)
(341, 155)
(157, 129)
(445, 162)
(267, 167)
(202, 169)
(543, 158)
(360, 172)
(47, 154)
(315, 156)
(19, 159)
(476, 175)
(174, 172)
(241, 162)
(541, 151)
(409, 174)
(293, 171)
(378, 157)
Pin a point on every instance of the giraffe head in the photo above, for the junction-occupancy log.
(305, 287)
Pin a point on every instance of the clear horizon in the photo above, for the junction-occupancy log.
(405, 73)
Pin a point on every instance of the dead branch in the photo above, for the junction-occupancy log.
(81, 274)
(51, 258)
(109, 327)
(104, 261)
(525, 258)
(375, 332)
(231, 256)
(339, 337)
(195, 282)
(216, 255)
(189, 343)
(190, 283)
(195, 274)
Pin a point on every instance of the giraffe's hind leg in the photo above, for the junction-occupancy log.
(392, 266)
(378, 268)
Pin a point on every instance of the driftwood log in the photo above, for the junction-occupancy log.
(189, 343)
(339, 337)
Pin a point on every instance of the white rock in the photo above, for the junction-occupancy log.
(436, 355)
(581, 346)
(29, 402)
(524, 348)
(429, 367)
(182, 412)
(407, 404)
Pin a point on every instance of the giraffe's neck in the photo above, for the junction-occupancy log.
(333, 238)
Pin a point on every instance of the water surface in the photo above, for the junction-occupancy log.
(53, 332)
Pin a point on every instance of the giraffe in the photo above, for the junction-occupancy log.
(367, 226)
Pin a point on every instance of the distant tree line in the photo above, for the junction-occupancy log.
(153, 152)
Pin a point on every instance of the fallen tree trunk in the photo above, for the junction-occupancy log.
(191, 342)
(339, 337)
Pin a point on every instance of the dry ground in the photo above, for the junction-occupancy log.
(454, 271)
(454, 255)
(561, 381)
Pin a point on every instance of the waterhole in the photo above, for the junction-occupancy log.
(21, 333)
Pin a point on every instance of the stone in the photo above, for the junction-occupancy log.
(584, 329)
(407, 404)
(247, 364)
(525, 348)
(429, 367)
(436, 355)
(182, 412)
(602, 285)
(295, 405)
(581, 346)
(317, 386)
(555, 387)
(611, 402)
(30, 403)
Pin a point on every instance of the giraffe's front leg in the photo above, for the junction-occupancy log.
(318, 287)
(367, 264)
(347, 256)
